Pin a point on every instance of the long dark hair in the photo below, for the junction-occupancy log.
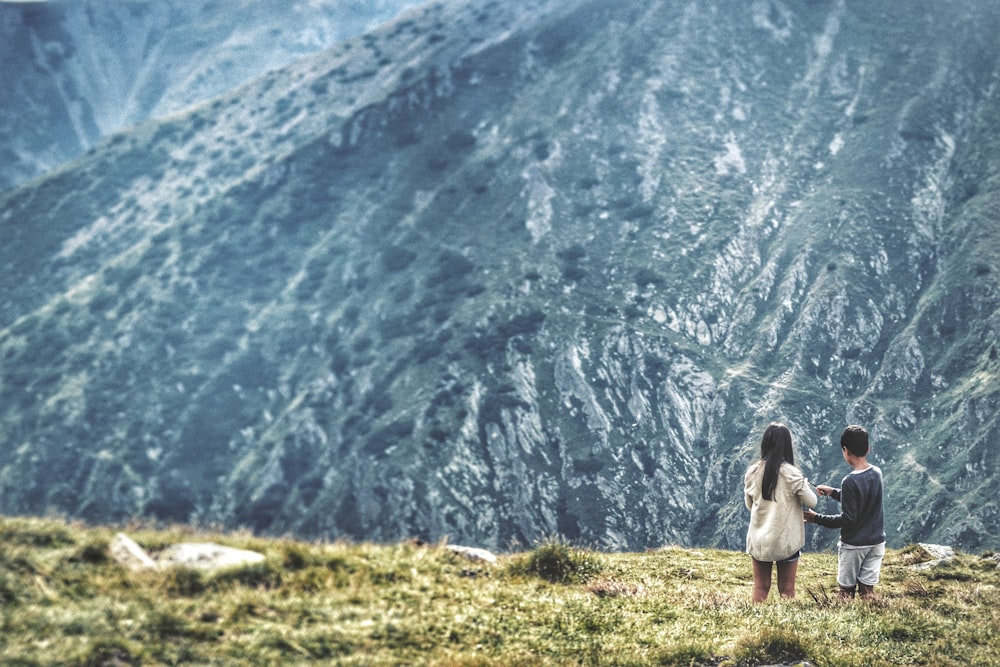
(775, 449)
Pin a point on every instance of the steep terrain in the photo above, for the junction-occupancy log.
(499, 272)
(75, 71)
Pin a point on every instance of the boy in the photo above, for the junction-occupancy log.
(861, 521)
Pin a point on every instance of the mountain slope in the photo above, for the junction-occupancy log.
(503, 272)
(75, 72)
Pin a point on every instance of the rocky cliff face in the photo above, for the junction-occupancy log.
(500, 272)
(76, 72)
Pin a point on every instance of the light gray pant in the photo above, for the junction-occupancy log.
(859, 564)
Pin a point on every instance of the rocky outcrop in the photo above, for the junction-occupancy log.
(198, 555)
(130, 555)
(206, 556)
(936, 553)
(473, 553)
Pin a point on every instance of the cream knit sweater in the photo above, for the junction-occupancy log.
(777, 530)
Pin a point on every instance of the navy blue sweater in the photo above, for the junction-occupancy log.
(861, 520)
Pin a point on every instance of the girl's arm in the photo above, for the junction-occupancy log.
(800, 485)
(748, 488)
(806, 495)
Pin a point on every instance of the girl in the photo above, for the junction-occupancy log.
(775, 491)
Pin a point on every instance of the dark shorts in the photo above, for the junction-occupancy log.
(791, 559)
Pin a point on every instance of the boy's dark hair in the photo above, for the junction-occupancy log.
(775, 449)
(855, 440)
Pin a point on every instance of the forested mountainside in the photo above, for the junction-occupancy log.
(75, 71)
(499, 271)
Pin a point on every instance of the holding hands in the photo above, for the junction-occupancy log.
(822, 490)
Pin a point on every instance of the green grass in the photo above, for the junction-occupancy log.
(64, 601)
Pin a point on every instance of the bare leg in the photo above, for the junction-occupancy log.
(846, 593)
(786, 578)
(761, 580)
(865, 590)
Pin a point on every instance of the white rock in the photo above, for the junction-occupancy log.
(937, 551)
(124, 550)
(473, 553)
(206, 556)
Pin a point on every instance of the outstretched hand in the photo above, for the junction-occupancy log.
(808, 515)
(824, 490)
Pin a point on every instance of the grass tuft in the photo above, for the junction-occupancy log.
(820, 596)
(183, 581)
(264, 575)
(557, 562)
(920, 588)
(692, 653)
(771, 646)
(295, 557)
(614, 588)
(94, 552)
(109, 652)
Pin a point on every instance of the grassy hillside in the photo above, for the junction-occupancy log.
(64, 601)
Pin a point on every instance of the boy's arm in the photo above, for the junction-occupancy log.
(848, 497)
(828, 491)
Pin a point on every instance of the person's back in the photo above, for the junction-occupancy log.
(862, 517)
(862, 520)
(776, 530)
(775, 491)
